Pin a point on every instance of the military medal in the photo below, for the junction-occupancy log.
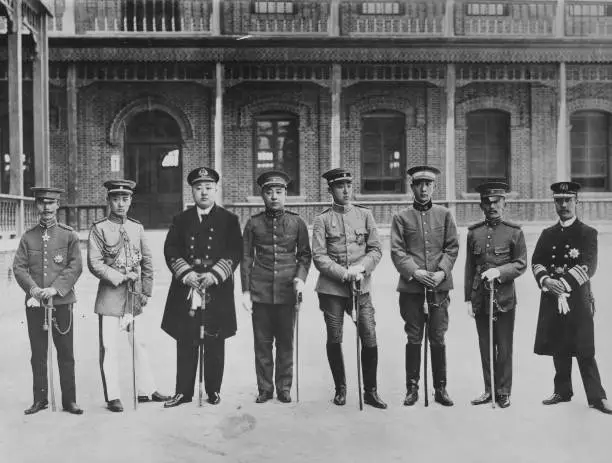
(574, 253)
(58, 259)
(45, 236)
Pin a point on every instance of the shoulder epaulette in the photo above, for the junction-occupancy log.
(511, 224)
(134, 220)
(65, 227)
(324, 211)
(31, 228)
(258, 214)
(476, 225)
(96, 222)
(361, 206)
(291, 212)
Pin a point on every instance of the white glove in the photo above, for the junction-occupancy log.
(33, 302)
(247, 302)
(298, 285)
(125, 321)
(196, 298)
(490, 274)
(470, 310)
(563, 306)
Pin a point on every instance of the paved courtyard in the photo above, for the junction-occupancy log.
(313, 430)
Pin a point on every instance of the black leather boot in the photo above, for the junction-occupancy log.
(336, 365)
(413, 370)
(438, 369)
(369, 364)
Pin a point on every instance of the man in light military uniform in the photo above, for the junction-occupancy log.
(119, 256)
(47, 265)
(276, 258)
(496, 255)
(563, 263)
(424, 248)
(202, 249)
(346, 249)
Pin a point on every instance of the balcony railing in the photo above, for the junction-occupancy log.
(11, 224)
(349, 18)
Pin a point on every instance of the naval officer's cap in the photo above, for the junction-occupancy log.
(565, 189)
(339, 174)
(274, 178)
(120, 186)
(489, 190)
(418, 173)
(202, 174)
(41, 192)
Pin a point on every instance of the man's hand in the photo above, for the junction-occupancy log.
(470, 309)
(298, 286)
(143, 299)
(424, 277)
(437, 277)
(554, 286)
(490, 274)
(192, 279)
(247, 302)
(355, 272)
(36, 293)
(48, 292)
(130, 276)
(207, 280)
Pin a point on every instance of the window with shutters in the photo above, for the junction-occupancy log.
(487, 147)
(383, 152)
(276, 146)
(590, 149)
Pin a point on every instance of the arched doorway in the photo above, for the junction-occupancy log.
(153, 159)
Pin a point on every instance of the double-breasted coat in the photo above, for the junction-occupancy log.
(213, 245)
(568, 254)
(116, 247)
(500, 246)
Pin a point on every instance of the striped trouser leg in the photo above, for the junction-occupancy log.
(108, 332)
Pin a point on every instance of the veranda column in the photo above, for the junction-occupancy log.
(40, 84)
(71, 125)
(336, 93)
(449, 19)
(69, 18)
(563, 161)
(449, 169)
(218, 127)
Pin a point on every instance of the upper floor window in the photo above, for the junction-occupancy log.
(487, 9)
(273, 7)
(276, 146)
(599, 10)
(383, 152)
(487, 147)
(151, 16)
(389, 8)
(590, 149)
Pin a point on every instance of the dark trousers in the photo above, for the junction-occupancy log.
(411, 310)
(63, 345)
(187, 353)
(503, 332)
(590, 377)
(273, 324)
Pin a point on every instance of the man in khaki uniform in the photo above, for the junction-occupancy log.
(118, 254)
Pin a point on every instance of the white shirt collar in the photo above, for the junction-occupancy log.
(567, 223)
(202, 212)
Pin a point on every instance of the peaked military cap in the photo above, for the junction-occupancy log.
(273, 177)
(120, 186)
(41, 192)
(423, 173)
(490, 189)
(565, 189)
(202, 174)
(337, 175)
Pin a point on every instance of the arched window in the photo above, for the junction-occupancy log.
(487, 147)
(590, 145)
(276, 146)
(383, 152)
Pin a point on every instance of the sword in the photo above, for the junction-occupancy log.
(356, 289)
(491, 360)
(298, 306)
(426, 328)
(202, 308)
(48, 327)
(131, 329)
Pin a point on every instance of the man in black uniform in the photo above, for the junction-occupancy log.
(563, 263)
(496, 255)
(275, 262)
(48, 264)
(202, 250)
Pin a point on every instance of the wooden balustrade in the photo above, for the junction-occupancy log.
(588, 19)
(10, 215)
(81, 216)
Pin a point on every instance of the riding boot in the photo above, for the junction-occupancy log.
(336, 365)
(413, 370)
(369, 363)
(438, 368)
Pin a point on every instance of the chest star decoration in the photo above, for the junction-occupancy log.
(574, 253)
(45, 236)
(58, 259)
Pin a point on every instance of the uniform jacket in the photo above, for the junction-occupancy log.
(570, 255)
(114, 249)
(276, 249)
(343, 236)
(214, 245)
(423, 239)
(49, 257)
(500, 246)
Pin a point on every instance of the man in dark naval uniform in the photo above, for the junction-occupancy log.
(346, 249)
(424, 248)
(275, 262)
(202, 250)
(496, 255)
(563, 263)
(47, 265)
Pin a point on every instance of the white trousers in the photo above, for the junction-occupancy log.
(109, 359)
